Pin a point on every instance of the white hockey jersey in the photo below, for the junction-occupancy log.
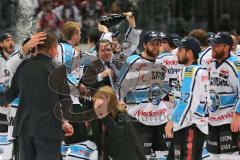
(68, 56)
(5, 75)
(6, 146)
(140, 87)
(169, 60)
(224, 90)
(205, 57)
(193, 105)
(14, 60)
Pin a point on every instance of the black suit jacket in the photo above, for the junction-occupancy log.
(91, 72)
(35, 114)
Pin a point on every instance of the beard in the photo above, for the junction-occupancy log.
(9, 49)
(218, 55)
(152, 53)
(183, 60)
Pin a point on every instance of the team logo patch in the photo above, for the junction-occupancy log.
(237, 65)
(154, 94)
(215, 101)
(224, 73)
(188, 72)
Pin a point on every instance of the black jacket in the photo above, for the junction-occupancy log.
(35, 114)
(119, 139)
(90, 76)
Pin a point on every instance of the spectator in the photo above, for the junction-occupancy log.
(68, 12)
(91, 10)
(115, 7)
(38, 4)
(47, 19)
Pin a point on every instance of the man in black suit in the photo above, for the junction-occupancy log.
(102, 71)
(40, 132)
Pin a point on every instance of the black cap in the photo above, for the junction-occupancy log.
(171, 38)
(211, 34)
(151, 36)
(189, 43)
(4, 36)
(163, 35)
(221, 38)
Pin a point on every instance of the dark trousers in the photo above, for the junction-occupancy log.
(80, 131)
(16, 149)
(222, 140)
(187, 144)
(151, 137)
(32, 148)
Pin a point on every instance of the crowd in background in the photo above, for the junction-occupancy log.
(52, 14)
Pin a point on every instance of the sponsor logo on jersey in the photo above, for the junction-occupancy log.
(218, 81)
(151, 113)
(221, 117)
(173, 71)
(170, 62)
(158, 75)
(224, 73)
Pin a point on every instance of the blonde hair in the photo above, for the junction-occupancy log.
(113, 106)
(69, 29)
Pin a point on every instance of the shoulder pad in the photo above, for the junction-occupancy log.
(132, 58)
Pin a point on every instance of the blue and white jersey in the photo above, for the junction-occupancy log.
(205, 57)
(5, 82)
(192, 107)
(5, 75)
(224, 90)
(140, 87)
(237, 54)
(68, 56)
(169, 60)
(14, 60)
